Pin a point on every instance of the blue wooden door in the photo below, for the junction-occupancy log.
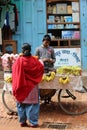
(34, 22)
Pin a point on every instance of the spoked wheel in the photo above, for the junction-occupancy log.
(72, 102)
(9, 101)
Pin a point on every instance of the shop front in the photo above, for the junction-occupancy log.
(63, 20)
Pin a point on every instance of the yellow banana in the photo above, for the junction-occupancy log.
(64, 80)
(53, 73)
(60, 80)
(49, 76)
(8, 79)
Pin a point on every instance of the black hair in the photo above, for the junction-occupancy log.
(47, 37)
(26, 49)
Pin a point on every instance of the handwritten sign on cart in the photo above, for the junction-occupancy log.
(67, 57)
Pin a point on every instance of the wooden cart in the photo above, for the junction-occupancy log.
(72, 96)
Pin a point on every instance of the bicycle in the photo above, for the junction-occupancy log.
(7, 97)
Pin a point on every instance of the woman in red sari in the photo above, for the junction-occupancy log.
(27, 72)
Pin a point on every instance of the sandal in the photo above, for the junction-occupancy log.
(24, 124)
(33, 126)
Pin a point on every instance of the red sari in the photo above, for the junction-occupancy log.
(27, 72)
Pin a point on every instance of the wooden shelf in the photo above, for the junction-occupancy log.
(75, 39)
(52, 1)
(57, 29)
(75, 23)
(59, 25)
(58, 14)
(65, 43)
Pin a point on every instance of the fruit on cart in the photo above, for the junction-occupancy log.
(64, 80)
(77, 71)
(53, 74)
(8, 79)
(69, 70)
(49, 76)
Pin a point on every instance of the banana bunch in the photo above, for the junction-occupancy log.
(8, 79)
(77, 71)
(64, 80)
(49, 76)
(69, 70)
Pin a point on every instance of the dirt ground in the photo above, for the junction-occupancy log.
(51, 117)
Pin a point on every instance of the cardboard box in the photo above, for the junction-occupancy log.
(69, 9)
(51, 26)
(51, 19)
(75, 17)
(76, 35)
(68, 18)
(54, 9)
(71, 34)
(61, 8)
(67, 34)
(75, 7)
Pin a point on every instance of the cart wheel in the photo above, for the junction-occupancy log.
(9, 101)
(72, 102)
